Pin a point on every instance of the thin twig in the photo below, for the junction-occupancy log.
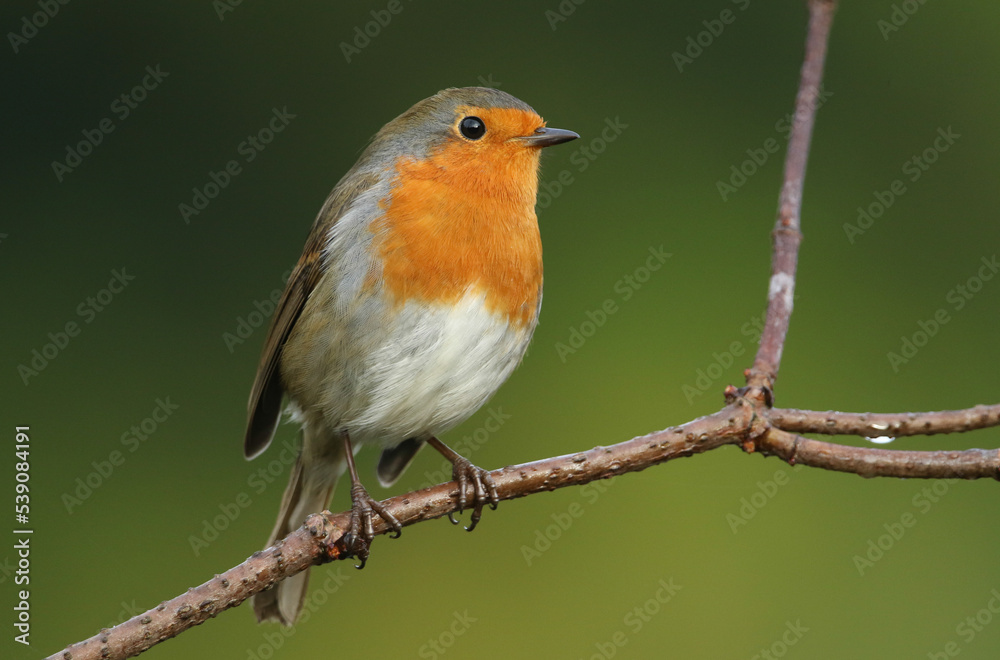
(786, 237)
(885, 424)
(871, 462)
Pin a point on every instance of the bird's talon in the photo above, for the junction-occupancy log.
(492, 487)
(463, 472)
(477, 513)
(357, 540)
(463, 482)
(356, 546)
(483, 490)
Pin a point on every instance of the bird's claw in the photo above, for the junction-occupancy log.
(484, 490)
(357, 540)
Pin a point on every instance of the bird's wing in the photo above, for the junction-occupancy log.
(264, 408)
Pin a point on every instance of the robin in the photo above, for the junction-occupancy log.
(415, 298)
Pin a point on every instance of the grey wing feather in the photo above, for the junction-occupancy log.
(264, 407)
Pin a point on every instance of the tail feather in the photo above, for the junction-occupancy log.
(395, 460)
(308, 492)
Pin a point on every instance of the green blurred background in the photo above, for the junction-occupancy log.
(787, 576)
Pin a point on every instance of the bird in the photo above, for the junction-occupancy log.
(416, 295)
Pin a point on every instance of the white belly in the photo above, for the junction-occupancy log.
(416, 373)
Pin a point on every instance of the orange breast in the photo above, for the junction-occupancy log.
(456, 221)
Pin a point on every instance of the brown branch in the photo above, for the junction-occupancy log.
(891, 424)
(297, 552)
(786, 237)
(871, 462)
(319, 541)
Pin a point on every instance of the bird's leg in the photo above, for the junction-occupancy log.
(483, 489)
(361, 532)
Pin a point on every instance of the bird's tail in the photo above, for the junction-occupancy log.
(310, 487)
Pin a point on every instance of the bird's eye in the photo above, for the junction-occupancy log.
(472, 128)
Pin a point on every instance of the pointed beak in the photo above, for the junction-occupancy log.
(546, 137)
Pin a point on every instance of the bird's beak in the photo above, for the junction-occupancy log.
(546, 137)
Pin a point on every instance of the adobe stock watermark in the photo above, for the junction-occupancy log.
(913, 168)
(923, 502)
(32, 23)
(128, 610)
(792, 635)
(257, 482)
(251, 147)
(487, 81)
(437, 646)
(468, 445)
(706, 378)
(970, 627)
(223, 7)
(625, 288)
(364, 34)
(122, 107)
(758, 157)
(636, 619)
(765, 492)
(957, 298)
(898, 17)
(562, 12)
(59, 340)
(7, 569)
(581, 158)
(326, 581)
(544, 537)
(133, 438)
(696, 45)
(255, 318)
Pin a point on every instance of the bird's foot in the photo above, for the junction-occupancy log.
(484, 491)
(359, 535)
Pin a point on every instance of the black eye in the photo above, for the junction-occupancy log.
(472, 128)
